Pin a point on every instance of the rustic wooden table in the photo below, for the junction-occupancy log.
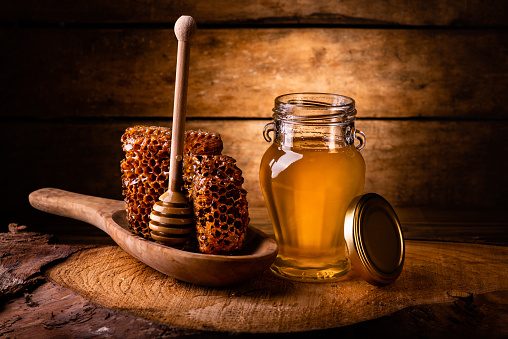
(80, 284)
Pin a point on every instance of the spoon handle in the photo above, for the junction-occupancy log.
(92, 210)
(185, 28)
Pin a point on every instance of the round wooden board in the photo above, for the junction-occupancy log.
(434, 272)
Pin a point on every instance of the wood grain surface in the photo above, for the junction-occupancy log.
(24, 256)
(55, 311)
(230, 12)
(51, 310)
(433, 273)
(238, 72)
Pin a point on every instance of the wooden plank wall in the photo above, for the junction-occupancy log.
(429, 78)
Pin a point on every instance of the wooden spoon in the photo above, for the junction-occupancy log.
(197, 268)
(172, 219)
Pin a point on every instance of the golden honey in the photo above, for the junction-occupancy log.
(307, 191)
(309, 175)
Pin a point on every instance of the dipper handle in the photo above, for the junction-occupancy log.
(185, 29)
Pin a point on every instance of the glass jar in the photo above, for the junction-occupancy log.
(309, 175)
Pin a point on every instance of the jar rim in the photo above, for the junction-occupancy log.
(314, 107)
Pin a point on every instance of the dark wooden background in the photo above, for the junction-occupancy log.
(429, 77)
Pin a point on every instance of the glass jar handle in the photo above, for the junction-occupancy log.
(357, 134)
(270, 127)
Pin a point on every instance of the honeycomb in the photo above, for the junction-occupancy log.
(220, 203)
(145, 168)
(212, 181)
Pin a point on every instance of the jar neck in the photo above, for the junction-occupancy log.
(305, 136)
(314, 120)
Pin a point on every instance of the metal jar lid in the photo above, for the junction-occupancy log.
(374, 238)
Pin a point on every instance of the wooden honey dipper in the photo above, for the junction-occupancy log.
(172, 218)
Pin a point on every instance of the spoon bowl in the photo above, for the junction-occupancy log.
(109, 215)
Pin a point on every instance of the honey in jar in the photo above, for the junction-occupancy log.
(309, 176)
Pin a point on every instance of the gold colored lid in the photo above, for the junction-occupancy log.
(374, 239)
